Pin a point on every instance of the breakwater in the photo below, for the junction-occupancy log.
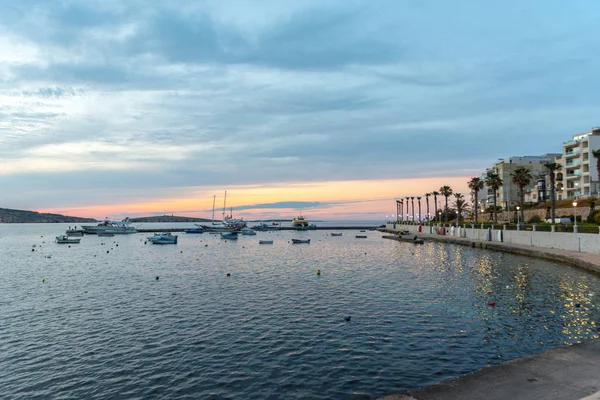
(287, 228)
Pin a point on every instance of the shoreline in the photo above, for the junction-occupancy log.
(567, 372)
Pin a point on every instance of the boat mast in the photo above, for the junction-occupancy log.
(213, 217)
(224, 205)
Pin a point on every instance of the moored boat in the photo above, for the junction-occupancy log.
(106, 234)
(300, 223)
(265, 242)
(198, 229)
(229, 235)
(361, 236)
(74, 232)
(62, 239)
(297, 241)
(247, 231)
(163, 238)
(336, 234)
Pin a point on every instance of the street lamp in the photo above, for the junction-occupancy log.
(575, 216)
(518, 217)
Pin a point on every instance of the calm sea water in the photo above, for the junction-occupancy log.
(92, 321)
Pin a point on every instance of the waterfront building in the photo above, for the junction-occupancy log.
(579, 176)
(508, 194)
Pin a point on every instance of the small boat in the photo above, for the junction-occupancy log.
(296, 241)
(362, 230)
(65, 239)
(265, 242)
(163, 238)
(229, 235)
(336, 234)
(247, 231)
(361, 236)
(106, 234)
(74, 232)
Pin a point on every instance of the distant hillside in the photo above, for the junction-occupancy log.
(168, 218)
(21, 216)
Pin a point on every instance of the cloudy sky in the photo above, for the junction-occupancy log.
(332, 108)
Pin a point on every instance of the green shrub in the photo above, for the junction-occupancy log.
(534, 219)
(593, 216)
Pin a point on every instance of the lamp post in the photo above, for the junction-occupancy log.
(518, 219)
(575, 228)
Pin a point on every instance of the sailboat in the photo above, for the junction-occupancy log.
(229, 224)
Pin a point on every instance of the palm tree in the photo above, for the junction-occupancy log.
(461, 205)
(435, 195)
(419, 202)
(494, 182)
(407, 208)
(427, 200)
(446, 191)
(553, 168)
(522, 178)
(476, 184)
(412, 201)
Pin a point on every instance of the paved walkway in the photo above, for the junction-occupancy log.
(587, 261)
(564, 373)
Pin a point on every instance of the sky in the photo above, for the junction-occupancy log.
(331, 109)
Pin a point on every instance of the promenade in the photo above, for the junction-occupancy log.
(564, 373)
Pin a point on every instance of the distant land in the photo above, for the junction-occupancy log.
(10, 216)
(168, 218)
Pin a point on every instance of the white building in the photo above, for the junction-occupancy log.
(579, 176)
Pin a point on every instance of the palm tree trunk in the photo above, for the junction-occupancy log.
(495, 211)
(553, 194)
(446, 210)
(522, 202)
(476, 206)
(412, 200)
(427, 200)
(419, 211)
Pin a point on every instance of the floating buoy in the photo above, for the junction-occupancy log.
(491, 303)
(197, 259)
(228, 274)
(577, 305)
(32, 249)
(347, 318)
(205, 245)
(181, 251)
(318, 272)
(43, 280)
(157, 278)
(106, 251)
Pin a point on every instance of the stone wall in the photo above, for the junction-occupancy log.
(583, 212)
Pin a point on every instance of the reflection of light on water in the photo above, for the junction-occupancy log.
(575, 315)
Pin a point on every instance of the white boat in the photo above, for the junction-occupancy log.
(65, 239)
(263, 226)
(163, 238)
(116, 227)
(265, 242)
(296, 241)
(247, 231)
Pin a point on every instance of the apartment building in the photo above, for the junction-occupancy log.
(508, 195)
(579, 176)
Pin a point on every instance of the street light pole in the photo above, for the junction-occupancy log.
(575, 228)
(518, 219)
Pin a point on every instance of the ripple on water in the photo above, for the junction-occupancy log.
(100, 325)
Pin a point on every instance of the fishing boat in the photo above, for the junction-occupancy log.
(265, 242)
(63, 239)
(163, 238)
(300, 223)
(297, 241)
(229, 235)
(116, 227)
(247, 231)
(74, 232)
(336, 234)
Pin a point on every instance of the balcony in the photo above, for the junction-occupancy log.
(573, 163)
(572, 152)
(574, 174)
(570, 143)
